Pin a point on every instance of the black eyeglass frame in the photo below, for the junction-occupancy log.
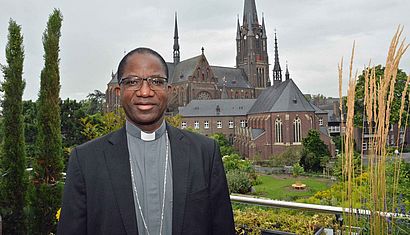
(149, 80)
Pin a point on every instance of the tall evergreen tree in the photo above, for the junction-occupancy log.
(13, 183)
(48, 163)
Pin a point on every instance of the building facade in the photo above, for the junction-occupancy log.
(260, 117)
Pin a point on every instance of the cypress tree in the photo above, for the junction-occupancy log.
(13, 185)
(48, 163)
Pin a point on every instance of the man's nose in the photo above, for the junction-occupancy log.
(145, 90)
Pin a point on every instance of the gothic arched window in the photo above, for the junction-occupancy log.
(278, 131)
(297, 130)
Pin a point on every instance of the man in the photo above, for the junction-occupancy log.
(148, 177)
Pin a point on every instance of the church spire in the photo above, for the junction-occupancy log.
(263, 27)
(250, 16)
(287, 75)
(176, 44)
(250, 29)
(277, 71)
(238, 31)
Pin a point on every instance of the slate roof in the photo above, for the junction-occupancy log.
(184, 69)
(171, 68)
(324, 130)
(113, 79)
(318, 110)
(282, 97)
(231, 77)
(207, 108)
(256, 132)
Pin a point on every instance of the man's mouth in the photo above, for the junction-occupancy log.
(145, 106)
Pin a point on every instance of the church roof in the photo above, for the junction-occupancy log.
(114, 79)
(184, 69)
(283, 97)
(256, 132)
(231, 77)
(318, 110)
(171, 67)
(207, 108)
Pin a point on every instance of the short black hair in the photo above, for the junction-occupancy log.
(140, 50)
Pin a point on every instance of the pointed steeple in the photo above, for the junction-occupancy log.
(277, 71)
(249, 13)
(250, 29)
(263, 28)
(287, 75)
(176, 53)
(238, 31)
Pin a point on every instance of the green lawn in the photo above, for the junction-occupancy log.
(280, 187)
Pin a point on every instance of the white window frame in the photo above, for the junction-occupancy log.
(183, 125)
(243, 123)
(278, 131)
(320, 121)
(206, 124)
(297, 130)
(230, 124)
(196, 125)
(364, 146)
(219, 124)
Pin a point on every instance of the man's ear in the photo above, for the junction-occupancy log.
(117, 91)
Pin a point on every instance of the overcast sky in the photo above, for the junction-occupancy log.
(312, 35)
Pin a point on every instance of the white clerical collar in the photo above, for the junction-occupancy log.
(145, 136)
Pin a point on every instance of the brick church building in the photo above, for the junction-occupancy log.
(260, 117)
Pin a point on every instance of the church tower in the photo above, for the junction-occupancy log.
(251, 48)
(176, 44)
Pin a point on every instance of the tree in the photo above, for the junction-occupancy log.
(224, 145)
(315, 153)
(98, 125)
(48, 164)
(395, 108)
(71, 114)
(30, 129)
(13, 185)
(95, 102)
(174, 121)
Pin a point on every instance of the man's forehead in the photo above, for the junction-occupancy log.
(144, 59)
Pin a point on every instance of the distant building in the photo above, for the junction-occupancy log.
(216, 116)
(260, 117)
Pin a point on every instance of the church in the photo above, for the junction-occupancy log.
(261, 118)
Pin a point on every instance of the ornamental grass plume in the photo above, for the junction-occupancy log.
(378, 99)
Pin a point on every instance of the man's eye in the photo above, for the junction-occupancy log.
(132, 82)
(157, 82)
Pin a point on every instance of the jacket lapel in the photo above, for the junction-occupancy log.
(180, 168)
(117, 160)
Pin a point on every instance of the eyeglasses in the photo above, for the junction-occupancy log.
(134, 83)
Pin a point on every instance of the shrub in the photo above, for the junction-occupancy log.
(240, 174)
(251, 220)
(239, 181)
(234, 162)
(287, 158)
(297, 170)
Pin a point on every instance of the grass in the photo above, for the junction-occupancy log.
(280, 187)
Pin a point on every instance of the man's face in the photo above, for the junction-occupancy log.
(144, 107)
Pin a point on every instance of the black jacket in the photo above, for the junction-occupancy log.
(98, 196)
